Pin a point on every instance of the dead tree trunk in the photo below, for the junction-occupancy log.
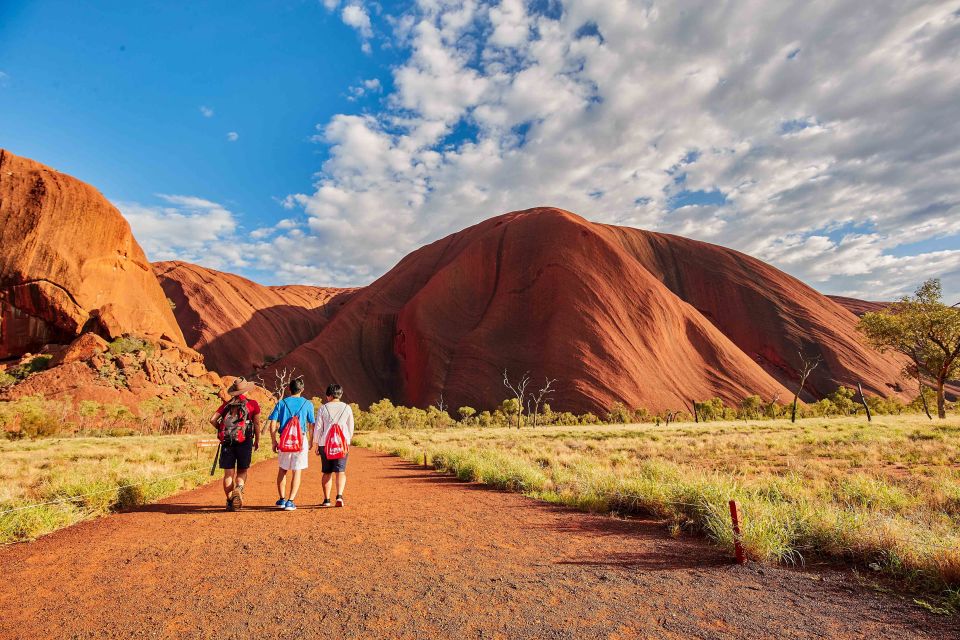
(809, 364)
(923, 399)
(863, 401)
(696, 418)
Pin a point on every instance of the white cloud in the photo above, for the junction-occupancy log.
(204, 232)
(184, 227)
(233, 136)
(331, 4)
(356, 16)
(830, 133)
(4, 78)
(207, 112)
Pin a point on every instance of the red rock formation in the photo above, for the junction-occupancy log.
(239, 325)
(69, 263)
(616, 314)
(859, 307)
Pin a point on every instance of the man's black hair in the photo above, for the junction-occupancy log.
(296, 385)
(335, 391)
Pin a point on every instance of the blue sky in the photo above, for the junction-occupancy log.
(319, 141)
(111, 93)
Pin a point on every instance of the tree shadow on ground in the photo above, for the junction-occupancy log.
(670, 553)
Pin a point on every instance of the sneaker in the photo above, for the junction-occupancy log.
(339, 501)
(326, 503)
(282, 502)
(289, 506)
(229, 504)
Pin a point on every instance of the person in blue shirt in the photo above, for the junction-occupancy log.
(291, 461)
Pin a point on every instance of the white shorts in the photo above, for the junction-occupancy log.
(294, 460)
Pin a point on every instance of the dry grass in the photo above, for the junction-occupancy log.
(884, 495)
(38, 471)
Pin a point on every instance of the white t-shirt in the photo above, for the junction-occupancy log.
(330, 413)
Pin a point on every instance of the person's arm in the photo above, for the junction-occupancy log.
(318, 433)
(273, 425)
(217, 415)
(350, 424)
(256, 430)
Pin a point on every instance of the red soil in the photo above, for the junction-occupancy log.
(415, 555)
(238, 325)
(70, 260)
(616, 314)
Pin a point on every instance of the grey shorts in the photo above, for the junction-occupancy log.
(332, 466)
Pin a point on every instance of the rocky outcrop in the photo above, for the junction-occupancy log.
(616, 314)
(70, 264)
(128, 372)
(859, 307)
(238, 325)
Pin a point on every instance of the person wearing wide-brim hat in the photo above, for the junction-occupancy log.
(238, 427)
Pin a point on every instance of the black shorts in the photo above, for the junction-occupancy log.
(331, 466)
(236, 455)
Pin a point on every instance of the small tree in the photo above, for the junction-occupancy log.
(281, 382)
(466, 413)
(538, 399)
(519, 390)
(924, 329)
(808, 364)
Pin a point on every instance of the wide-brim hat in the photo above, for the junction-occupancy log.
(240, 386)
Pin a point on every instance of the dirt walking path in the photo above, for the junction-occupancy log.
(414, 555)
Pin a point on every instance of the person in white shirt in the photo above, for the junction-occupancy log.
(333, 411)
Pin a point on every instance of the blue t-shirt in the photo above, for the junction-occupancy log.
(293, 406)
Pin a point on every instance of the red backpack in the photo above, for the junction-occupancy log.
(291, 437)
(335, 446)
(232, 427)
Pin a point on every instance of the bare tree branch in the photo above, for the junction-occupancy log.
(808, 365)
(519, 390)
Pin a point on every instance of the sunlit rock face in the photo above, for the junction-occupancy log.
(69, 263)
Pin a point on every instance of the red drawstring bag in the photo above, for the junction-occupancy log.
(336, 446)
(291, 438)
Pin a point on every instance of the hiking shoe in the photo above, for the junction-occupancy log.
(229, 504)
(339, 501)
(326, 503)
(237, 497)
(289, 506)
(282, 502)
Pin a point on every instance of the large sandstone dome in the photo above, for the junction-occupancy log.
(239, 325)
(70, 264)
(616, 314)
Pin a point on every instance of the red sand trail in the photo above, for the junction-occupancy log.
(415, 555)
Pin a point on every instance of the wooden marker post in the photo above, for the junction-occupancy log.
(737, 542)
(426, 465)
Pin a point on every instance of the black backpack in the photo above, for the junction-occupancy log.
(233, 422)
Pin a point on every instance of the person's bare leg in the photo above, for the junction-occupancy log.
(228, 475)
(282, 484)
(327, 485)
(241, 478)
(341, 482)
(295, 485)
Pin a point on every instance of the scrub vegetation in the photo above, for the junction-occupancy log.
(85, 477)
(884, 495)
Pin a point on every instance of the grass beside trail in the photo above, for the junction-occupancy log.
(38, 471)
(885, 495)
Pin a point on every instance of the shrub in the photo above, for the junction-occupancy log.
(619, 414)
(131, 344)
(751, 408)
(6, 379)
(466, 413)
